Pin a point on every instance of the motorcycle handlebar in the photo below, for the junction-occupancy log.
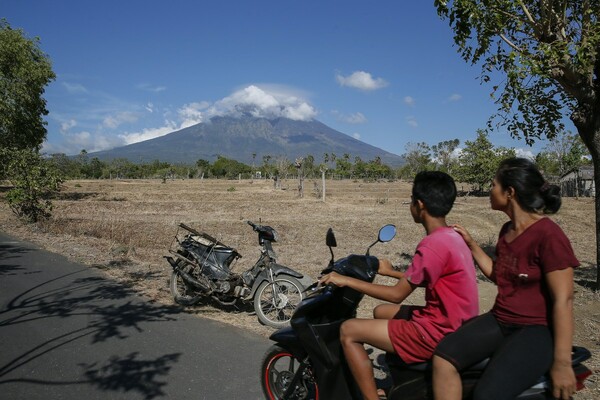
(252, 224)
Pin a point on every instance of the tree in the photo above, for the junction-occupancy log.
(547, 53)
(34, 181)
(418, 158)
(563, 153)
(24, 72)
(478, 162)
(443, 155)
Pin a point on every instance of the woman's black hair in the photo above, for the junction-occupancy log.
(436, 190)
(532, 191)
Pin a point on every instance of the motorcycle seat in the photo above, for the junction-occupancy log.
(394, 361)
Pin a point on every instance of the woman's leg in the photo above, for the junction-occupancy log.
(523, 357)
(474, 341)
(354, 333)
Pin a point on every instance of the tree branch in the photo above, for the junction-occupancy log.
(530, 19)
(511, 44)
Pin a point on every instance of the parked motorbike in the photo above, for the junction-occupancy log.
(307, 361)
(202, 269)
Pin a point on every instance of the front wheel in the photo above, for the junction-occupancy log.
(279, 369)
(275, 302)
(182, 292)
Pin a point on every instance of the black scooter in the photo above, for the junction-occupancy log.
(307, 361)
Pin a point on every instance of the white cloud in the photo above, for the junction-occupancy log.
(150, 88)
(525, 153)
(67, 125)
(356, 118)
(356, 135)
(113, 121)
(412, 121)
(455, 97)
(148, 133)
(408, 100)
(74, 88)
(101, 126)
(191, 114)
(257, 102)
(361, 80)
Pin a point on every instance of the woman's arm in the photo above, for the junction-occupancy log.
(485, 262)
(560, 284)
(393, 294)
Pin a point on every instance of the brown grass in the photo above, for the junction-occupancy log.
(126, 227)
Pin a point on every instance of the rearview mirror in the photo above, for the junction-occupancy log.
(387, 233)
(330, 238)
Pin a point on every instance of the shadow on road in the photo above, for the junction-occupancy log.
(105, 310)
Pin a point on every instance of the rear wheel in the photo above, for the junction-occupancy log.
(182, 292)
(275, 302)
(278, 369)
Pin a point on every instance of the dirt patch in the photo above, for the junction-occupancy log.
(124, 228)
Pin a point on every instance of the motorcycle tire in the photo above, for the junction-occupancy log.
(183, 293)
(278, 368)
(275, 302)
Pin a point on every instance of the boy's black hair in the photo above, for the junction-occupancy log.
(436, 190)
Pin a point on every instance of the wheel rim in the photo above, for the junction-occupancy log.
(279, 374)
(182, 288)
(279, 299)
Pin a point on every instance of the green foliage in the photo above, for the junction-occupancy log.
(34, 182)
(228, 168)
(417, 157)
(24, 72)
(547, 52)
(444, 157)
(562, 154)
(479, 160)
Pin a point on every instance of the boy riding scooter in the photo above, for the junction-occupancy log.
(442, 264)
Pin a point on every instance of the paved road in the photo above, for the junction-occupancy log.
(68, 333)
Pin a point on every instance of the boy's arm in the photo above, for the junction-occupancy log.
(393, 294)
(386, 269)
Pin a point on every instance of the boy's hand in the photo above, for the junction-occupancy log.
(333, 278)
(385, 267)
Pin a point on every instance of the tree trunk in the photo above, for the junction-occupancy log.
(588, 126)
(590, 134)
(596, 161)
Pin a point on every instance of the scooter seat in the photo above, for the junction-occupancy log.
(394, 361)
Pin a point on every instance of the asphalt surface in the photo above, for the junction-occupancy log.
(66, 332)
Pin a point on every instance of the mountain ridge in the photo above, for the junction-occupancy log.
(240, 138)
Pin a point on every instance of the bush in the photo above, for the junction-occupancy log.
(34, 182)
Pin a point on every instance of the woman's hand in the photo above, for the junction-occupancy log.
(465, 235)
(333, 278)
(564, 383)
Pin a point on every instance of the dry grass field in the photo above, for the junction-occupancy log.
(125, 228)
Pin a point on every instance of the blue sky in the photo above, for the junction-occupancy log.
(384, 72)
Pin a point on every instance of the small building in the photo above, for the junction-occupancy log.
(578, 182)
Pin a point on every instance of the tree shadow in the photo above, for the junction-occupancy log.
(9, 251)
(111, 313)
(74, 196)
(585, 276)
(130, 373)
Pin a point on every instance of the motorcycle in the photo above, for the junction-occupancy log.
(307, 361)
(202, 269)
